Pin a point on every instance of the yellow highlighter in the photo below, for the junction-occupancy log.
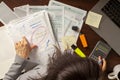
(78, 51)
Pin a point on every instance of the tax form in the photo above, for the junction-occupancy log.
(71, 14)
(70, 11)
(56, 15)
(72, 17)
(37, 29)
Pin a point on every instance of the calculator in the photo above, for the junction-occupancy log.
(101, 49)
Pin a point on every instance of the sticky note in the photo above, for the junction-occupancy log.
(93, 19)
(67, 41)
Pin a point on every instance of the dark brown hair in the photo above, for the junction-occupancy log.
(71, 67)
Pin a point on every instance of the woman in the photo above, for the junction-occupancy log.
(65, 66)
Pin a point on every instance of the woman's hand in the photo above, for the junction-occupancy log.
(23, 48)
(102, 63)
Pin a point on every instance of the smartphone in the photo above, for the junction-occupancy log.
(101, 49)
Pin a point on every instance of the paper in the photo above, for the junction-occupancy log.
(6, 14)
(72, 14)
(70, 11)
(23, 7)
(71, 36)
(56, 15)
(93, 19)
(7, 51)
(68, 41)
(72, 32)
(19, 12)
(72, 17)
(37, 29)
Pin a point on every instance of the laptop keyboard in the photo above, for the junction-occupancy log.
(112, 10)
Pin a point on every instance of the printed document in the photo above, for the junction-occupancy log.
(70, 11)
(37, 29)
(71, 14)
(56, 15)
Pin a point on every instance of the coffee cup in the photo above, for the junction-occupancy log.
(115, 74)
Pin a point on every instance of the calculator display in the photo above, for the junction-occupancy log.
(102, 48)
(98, 53)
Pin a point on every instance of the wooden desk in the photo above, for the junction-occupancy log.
(91, 36)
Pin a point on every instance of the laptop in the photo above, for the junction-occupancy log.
(108, 30)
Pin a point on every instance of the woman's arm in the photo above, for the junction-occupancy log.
(15, 69)
(23, 49)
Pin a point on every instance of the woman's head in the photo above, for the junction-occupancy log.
(72, 67)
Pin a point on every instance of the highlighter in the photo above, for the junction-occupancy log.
(83, 40)
(78, 51)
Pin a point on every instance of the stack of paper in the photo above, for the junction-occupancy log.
(37, 29)
(62, 18)
(44, 26)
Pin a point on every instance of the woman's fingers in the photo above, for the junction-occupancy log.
(103, 64)
(23, 48)
(33, 46)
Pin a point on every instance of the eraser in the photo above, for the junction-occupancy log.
(75, 28)
(83, 40)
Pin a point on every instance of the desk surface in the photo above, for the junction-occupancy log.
(91, 36)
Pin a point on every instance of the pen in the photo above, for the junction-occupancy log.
(100, 62)
(78, 51)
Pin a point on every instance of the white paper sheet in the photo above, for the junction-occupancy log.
(6, 14)
(56, 15)
(7, 52)
(72, 17)
(23, 7)
(19, 12)
(71, 13)
(37, 29)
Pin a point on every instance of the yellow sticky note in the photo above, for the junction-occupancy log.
(93, 19)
